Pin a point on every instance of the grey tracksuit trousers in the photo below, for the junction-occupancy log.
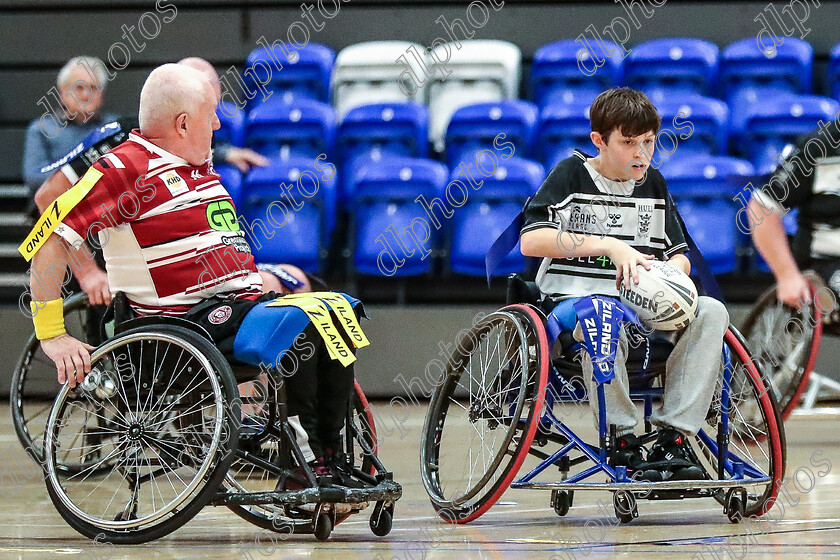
(691, 373)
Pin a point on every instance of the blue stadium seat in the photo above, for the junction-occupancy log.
(279, 232)
(476, 126)
(747, 76)
(773, 124)
(706, 176)
(276, 128)
(399, 129)
(562, 129)
(306, 75)
(699, 125)
(663, 68)
(833, 74)
(231, 179)
(557, 77)
(384, 210)
(232, 119)
(711, 223)
(488, 211)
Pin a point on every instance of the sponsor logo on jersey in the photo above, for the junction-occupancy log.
(220, 315)
(221, 216)
(174, 183)
(238, 243)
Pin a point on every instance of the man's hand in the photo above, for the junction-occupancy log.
(793, 290)
(71, 357)
(244, 158)
(625, 258)
(94, 282)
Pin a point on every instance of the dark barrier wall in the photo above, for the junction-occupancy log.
(38, 36)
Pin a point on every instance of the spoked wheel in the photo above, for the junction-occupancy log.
(245, 476)
(784, 342)
(164, 406)
(755, 431)
(483, 416)
(34, 388)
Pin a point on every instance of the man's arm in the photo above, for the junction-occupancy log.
(92, 279)
(553, 243)
(71, 356)
(768, 234)
(35, 155)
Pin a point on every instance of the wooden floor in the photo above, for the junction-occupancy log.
(521, 525)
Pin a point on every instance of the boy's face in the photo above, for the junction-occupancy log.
(624, 157)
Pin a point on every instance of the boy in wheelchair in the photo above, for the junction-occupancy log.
(593, 221)
(163, 219)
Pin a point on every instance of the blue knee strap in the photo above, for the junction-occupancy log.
(601, 319)
(266, 332)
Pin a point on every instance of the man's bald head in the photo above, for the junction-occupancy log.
(170, 90)
(205, 68)
(178, 111)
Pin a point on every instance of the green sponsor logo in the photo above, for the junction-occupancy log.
(222, 216)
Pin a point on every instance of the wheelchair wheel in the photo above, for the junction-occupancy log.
(163, 400)
(484, 413)
(34, 385)
(755, 431)
(784, 342)
(244, 476)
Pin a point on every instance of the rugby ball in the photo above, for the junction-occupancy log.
(665, 298)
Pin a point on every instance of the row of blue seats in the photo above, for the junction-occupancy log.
(685, 64)
(391, 230)
(692, 125)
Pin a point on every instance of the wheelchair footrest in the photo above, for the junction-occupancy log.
(385, 490)
(644, 486)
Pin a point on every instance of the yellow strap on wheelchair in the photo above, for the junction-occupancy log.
(345, 313)
(56, 212)
(320, 317)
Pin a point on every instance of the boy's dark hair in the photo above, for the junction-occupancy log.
(624, 109)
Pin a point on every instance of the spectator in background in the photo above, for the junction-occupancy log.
(82, 101)
(242, 158)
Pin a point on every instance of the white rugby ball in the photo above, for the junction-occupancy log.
(665, 298)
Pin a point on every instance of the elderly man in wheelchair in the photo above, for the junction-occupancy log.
(151, 420)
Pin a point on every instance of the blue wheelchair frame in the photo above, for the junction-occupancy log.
(733, 473)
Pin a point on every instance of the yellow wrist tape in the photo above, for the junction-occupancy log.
(48, 317)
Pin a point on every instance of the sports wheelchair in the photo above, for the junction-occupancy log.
(785, 342)
(158, 430)
(510, 392)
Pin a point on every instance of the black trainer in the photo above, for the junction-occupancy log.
(630, 453)
(672, 457)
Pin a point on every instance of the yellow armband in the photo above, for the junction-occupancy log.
(48, 317)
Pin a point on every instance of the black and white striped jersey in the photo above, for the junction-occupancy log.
(577, 199)
(808, 178)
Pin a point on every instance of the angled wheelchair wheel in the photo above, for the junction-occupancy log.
(784, 342)
(34, 387)
(484, 413)
(744, 412)
(244, 476)
(163, 400)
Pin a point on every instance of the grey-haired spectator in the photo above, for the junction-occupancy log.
(80, 83)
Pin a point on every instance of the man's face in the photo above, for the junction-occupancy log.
(80, 95)
(200, 127)
(627, 157)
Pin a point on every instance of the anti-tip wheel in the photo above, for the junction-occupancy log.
(625, 507)
(323, 526)
(561, 501)
(381, 520)
(736, 505)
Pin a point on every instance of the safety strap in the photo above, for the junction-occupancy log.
(344, 311)
(319, 315)
(56, 212)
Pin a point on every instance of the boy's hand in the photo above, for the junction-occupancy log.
(625, 258)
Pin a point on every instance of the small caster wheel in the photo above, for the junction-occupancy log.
(381, 520)
(323, 527)
(736, 504)
(561, 501)
(625, 506)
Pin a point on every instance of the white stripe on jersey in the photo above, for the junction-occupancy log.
(188, 200)
(114, 160)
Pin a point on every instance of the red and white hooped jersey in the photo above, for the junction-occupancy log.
(168, 230)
